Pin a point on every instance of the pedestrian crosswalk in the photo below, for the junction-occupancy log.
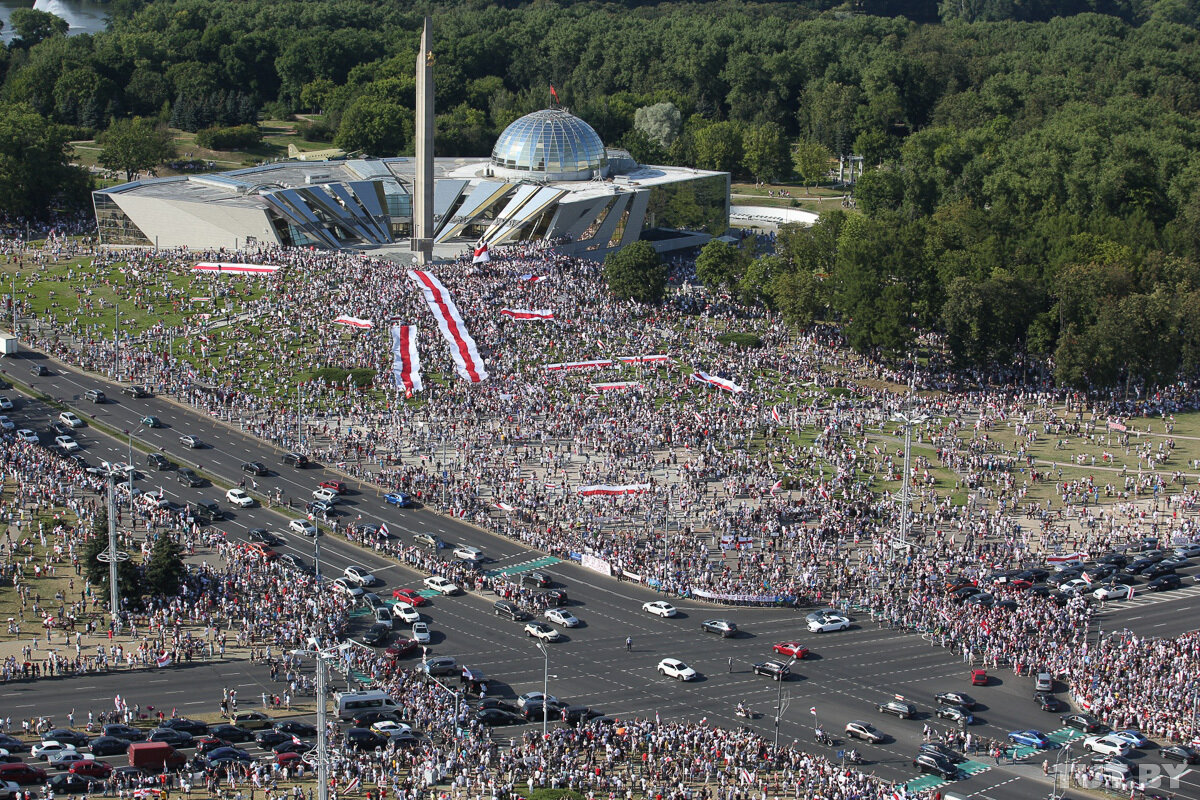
(1143, 598)
(1059, 737)
(927, 782)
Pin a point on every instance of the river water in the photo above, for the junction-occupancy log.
(82, 15)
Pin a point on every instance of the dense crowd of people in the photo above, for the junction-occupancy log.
(732, 505)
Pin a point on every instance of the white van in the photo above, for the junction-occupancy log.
(351, 704)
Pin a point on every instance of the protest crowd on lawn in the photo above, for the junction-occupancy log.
(720, 498)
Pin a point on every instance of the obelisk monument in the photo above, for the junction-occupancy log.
(422, 233)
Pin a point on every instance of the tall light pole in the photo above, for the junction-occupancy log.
(130, 472)
(779, 707)
(16, 274)
(457, 695)
(908, 420)
(116, 341)
(321, 754)
(545, 688)
(299, 423)
(112, 556)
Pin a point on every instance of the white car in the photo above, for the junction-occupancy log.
(188, 440)
(384, 614)
(26, 435)
(391, 729)
(1189, 550)
(5, 403)
(7, 424)
(440, 585)
(1114, 591)
(562, 617)
(406, 613)
(347, 588)
(359, 575)
(1133, 738)
(468, 553)
(1108, 745)
(540, 630)
(674, 668)
(239, 498)
(8, 789)
(534, 697)
(302, 526)
(69, 419)
(420, 633)
(66, 758)
(831, 622)
(1074, 585)
(67, 444)
(659, 608)
(325, 496)
(50, 748)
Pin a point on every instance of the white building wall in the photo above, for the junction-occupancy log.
(178, 223)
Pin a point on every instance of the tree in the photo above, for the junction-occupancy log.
(35, 168)
(765, 152)
(33, 26)
(811, 160)
(165, 569)
(720, 265)
(635, 272)
(878, 191)
(376, 127)
(133, 145)
(719, 146)
(128, 579)
(799, 296)
(660, 122)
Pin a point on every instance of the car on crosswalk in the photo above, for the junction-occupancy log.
(440, 585)
(1030, 738)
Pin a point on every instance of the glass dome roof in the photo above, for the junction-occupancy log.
(551, 144)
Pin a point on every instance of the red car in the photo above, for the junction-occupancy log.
(337, 486)
(401, 648)
(90, 768)
(409, 596)
(793, 649)
(1019, 583)
(261, 549)
(979, 677)
(283, 759)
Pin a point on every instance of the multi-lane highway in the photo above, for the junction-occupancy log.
(847, 673)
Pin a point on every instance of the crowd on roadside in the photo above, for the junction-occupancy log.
(735, 505)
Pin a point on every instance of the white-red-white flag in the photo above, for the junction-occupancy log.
(406, 362)
(481, 254)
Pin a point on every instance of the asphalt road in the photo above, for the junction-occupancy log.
(847, 673)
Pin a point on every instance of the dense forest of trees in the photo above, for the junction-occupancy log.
(1033, 180)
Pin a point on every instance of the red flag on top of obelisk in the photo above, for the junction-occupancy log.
(553, 93)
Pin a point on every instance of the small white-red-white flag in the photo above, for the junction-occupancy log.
(481, 254)
(775, 414)
(504, 506)
(778, 485)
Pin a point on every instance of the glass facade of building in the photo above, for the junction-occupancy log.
(550, 144)
(700, 205)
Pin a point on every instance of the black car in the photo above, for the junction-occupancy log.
(297, 460)
(206, 744)
(255, 468)
(364, 740)
(1035, 575)
(1164, 582)
(552, 597)
(270, 737)
(1048, 702)
(61, 429)
(369, 718)
(123, 732)
(955, 699)
(192, 726)
(108, 746)
(189, 477)
(942, 751)
(496, 702)
(231, 733)
(1158, 570)
(497, 717)
(536, 579)
(12, 744)
(170, 736)
(70, 783)
(1084, 722)
(263, 536)
(980, 599)
(1188, 755)
(534, 710)
(38, 370)
(722, 627)
(135, 390)
(937, 765)
(958, 595)
(292, 746)
(776, 670)
(227, 755)
(295, 562)
(1100, 571)
(295, 728)
(1116, 559)
(1141, 564)
(377, 635)
(66, 736)
(158, 461)
(210, 508)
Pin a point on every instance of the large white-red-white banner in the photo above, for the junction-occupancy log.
(605, 490)
(657, 358)
(406, 363)
(354, 322)
(224, 268)
(713, 380)
(467, 361)
(615, 386)
(596, 364)
(532, 315)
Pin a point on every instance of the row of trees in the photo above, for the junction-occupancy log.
(161, 575)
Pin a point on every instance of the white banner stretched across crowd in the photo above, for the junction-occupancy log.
(615, 386)
(406, 363)
(531, 315)
(657, 358)
(354, 322)
(467, 361)
(595, 564)
(604, 490)
(224, 268)
(596, 364)
(713, 380)
(735, 598)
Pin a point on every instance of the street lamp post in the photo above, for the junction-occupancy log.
(130, 472)
(779, 707)
(908, 420)
(112, 556)
(15, 275)
(545, 687)
(457, 695)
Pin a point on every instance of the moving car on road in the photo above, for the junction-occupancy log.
(190, 441)
(255, 468)
(722, 627)
(562, 617)
(1030, 738)
(857, 729)
(659, 608)
(775, 670)
(540, 630)
(674, 668)
(793, 649)
(302, 526)
(239, 498)
(901, 708)
(70, 419)
(956, 699)
(398, 499)
(1108, 744)
(830, 622)
(440, 585)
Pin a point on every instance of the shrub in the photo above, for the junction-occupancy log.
(750, 341)
(238, 137)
